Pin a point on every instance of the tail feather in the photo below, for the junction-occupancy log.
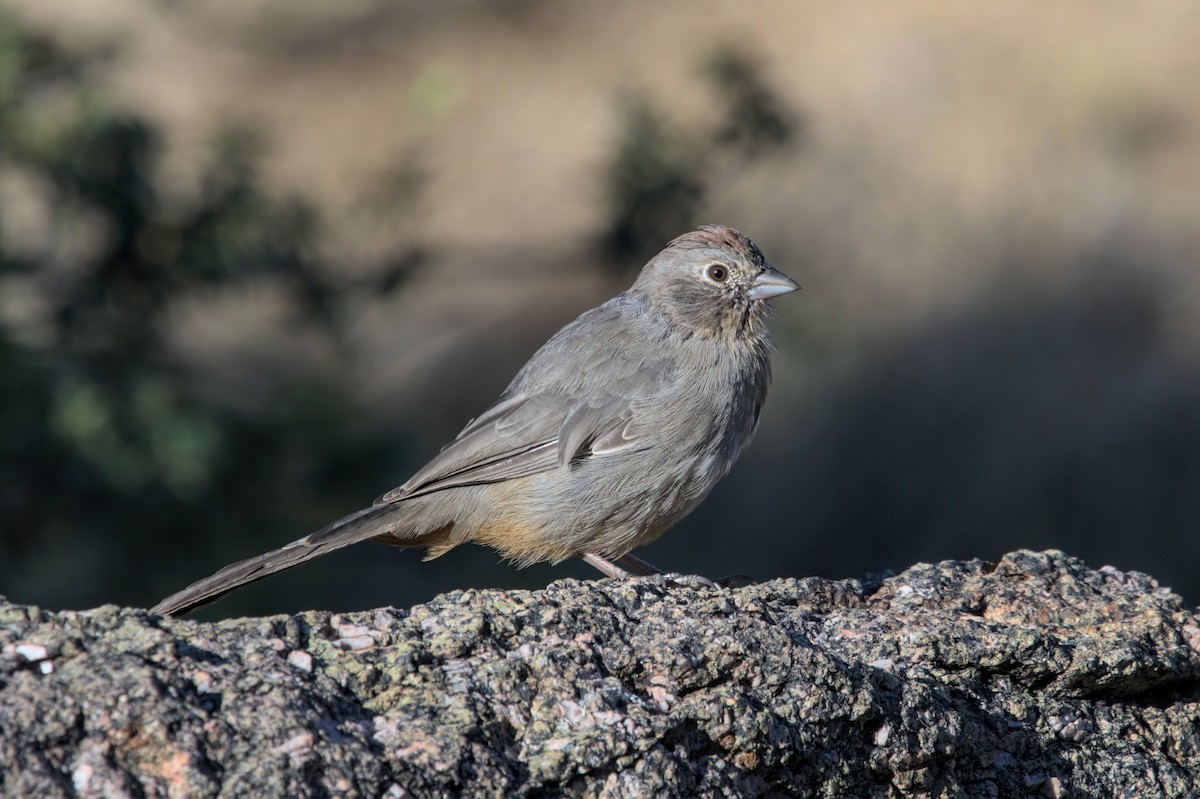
(358, 526)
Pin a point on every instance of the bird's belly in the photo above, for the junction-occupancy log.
(609, 508)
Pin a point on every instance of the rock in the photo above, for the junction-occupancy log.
(1035, 676)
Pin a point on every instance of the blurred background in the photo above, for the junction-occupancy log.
(259, 261)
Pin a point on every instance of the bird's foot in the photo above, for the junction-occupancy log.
(630, 567)
(675, 579)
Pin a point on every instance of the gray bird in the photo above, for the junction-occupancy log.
(613, 431)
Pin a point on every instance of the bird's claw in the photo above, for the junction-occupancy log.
(668, 579)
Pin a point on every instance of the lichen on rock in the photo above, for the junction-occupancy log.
(1033, 676)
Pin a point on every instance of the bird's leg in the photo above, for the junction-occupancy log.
(637, 566)
(629, 566)
(611, 569)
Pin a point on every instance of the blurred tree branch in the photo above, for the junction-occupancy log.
(660, 175)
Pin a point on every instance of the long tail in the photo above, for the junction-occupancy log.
(358, 526)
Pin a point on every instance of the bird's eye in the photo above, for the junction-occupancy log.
(718, 273)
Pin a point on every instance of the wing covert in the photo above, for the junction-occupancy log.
(574, 399)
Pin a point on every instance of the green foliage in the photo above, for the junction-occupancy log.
(656, 185)
(660, 174)
(114, 456)
(756, 121)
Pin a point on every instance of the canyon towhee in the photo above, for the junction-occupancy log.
(613, 431)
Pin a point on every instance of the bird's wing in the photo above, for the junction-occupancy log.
(576, 398)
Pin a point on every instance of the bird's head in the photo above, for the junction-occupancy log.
(712, 281)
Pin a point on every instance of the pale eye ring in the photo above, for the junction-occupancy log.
(718, 273)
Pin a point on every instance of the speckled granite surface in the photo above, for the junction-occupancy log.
(1034, 676)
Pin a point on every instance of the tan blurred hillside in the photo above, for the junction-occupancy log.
(940, 133)
(994, 211)
(514, 99)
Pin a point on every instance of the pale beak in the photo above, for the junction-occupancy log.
(771, 283)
